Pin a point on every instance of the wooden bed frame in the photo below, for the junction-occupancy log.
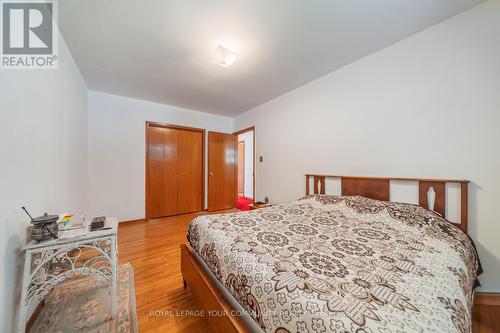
(211, 298)
(379, 188)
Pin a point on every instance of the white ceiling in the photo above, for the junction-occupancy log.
(160, 50)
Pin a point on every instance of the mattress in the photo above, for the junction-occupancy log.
(342, 264)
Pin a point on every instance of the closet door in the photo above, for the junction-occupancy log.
(190, 171)
(174, 170)
(155, 169)
(162, 176)
(170, 172)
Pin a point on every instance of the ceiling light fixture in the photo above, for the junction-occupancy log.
(223, 56)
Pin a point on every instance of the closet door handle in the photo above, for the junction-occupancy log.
(210, 174)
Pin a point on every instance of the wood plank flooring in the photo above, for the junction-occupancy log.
(486, 319)
(152, 247)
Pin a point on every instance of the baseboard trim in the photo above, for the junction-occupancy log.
(487, 298)
(136, 220)
(204, 210)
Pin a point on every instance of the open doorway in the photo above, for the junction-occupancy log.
(246, 164)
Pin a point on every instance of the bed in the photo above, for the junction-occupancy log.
(350, 263)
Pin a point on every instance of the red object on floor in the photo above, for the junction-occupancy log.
(243, 203)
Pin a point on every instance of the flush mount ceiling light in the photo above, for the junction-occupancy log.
(223, 56)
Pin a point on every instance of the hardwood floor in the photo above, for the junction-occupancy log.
(152, 247)
(162, 303)
(486, 319)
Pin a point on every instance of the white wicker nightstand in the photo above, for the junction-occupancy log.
(51, 262)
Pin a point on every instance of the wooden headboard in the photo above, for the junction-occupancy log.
(379, 188)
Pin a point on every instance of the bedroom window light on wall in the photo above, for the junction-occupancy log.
(223, 56)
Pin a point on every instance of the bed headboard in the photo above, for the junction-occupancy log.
(379, 188)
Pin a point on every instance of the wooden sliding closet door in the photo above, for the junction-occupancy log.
(221, 170)
(155, 171)
(190, 157)
(174, 170)
(170, 172)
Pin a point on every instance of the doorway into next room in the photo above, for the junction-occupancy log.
(246, 164)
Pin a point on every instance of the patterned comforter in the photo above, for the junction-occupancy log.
(342, 264)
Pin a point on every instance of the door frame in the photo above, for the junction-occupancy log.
(178, 127)
(243, 167)
(248, 129)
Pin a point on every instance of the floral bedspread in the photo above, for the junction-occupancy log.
(342, 264)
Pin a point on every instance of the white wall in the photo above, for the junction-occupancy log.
(247, 137)
(43, 159)
(428, 106)
(117, 148)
